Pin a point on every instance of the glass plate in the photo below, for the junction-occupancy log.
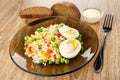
(90, 45)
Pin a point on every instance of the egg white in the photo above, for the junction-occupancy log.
(63, 30)
(67, 50)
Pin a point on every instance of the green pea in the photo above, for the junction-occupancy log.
(34, 39)
(53, 39)
(50, 62)
(41, 61)
(62, 60)
(67, 61)
(57, 61)
(26, 38)
(56, 32)
(56, 45)
(45, 30)
(79, 38)
(25, 47)
(39, 30)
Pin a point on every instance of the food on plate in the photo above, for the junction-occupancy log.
(70, 48)
(35, 12)
(57, 43)
(66, 9)
(68, 32)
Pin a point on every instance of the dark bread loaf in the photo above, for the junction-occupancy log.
(66, 9)
(35, 12)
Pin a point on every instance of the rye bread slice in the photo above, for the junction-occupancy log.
(66, 9)
(35, 12)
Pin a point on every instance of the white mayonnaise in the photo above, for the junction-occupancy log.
(92, 15)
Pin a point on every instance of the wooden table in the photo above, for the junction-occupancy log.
(10, 23)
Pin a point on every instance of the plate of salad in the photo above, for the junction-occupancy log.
(53, 46)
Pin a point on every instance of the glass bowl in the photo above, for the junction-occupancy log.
(90, 45)
(92, 15)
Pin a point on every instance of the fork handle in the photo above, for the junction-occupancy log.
(98, 64)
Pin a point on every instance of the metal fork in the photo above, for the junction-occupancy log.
(107, 27)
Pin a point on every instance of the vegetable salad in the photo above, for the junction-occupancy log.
(43, 45)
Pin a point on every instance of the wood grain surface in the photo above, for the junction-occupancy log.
(10, 23)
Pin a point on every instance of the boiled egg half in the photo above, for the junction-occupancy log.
(69, 32)
(70, 48)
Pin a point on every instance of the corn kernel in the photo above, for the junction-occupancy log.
(51, 35)
(32, 35)
(44, 56)
(58, 55)
(30, 38)
(52, 45)
(58, 41)
(37, 43)
(40, 35)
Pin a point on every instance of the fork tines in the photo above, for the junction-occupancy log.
(108, 21)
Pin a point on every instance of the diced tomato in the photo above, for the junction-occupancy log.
(30, 49)
(26, 44)
(59, 35)
(49, 51)
(47, 55)
(45, 40)
(55, 56)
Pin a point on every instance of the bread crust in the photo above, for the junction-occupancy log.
(35, 12)
(66, 9)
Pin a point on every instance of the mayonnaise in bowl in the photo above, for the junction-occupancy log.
(92, 15)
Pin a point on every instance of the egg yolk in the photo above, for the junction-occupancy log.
(74, 43)
(70, 32)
